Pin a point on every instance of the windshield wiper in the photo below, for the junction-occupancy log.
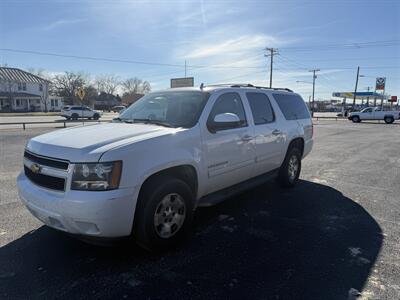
(122, 120)
(150, 121)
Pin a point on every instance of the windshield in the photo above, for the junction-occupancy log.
(171, 108)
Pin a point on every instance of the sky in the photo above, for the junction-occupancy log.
(221, 41)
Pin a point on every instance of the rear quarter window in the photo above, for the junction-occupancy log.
(292, 106)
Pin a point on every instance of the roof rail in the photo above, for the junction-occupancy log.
(245, 85)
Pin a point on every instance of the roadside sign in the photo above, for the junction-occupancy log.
(80, 93)
(393, 99)
(182, 82)
(380, 83)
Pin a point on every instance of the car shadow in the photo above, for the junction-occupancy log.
(309, 242)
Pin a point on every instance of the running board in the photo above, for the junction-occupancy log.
(219, 196)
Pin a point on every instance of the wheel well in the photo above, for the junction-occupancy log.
(186, 173)
(297, 142)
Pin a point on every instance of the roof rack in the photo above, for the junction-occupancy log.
(245, 85)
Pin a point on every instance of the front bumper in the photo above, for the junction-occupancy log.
(99, 213)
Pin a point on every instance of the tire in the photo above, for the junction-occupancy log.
(68, 118)
(356, 119)
(96, 116)
(288, 172)
(74, 117)
(389, 120)
(153, 218)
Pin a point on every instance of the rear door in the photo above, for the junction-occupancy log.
(87, 112)
(229, 153)
(268, 135)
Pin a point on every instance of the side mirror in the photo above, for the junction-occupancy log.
(224, 121)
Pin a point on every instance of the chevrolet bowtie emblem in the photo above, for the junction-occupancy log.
(35, 168)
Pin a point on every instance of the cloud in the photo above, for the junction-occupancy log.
(233, 46)
(63, 22)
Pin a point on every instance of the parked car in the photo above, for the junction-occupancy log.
(374, 113)
(75, 112)
(118, 108)
(144, 176)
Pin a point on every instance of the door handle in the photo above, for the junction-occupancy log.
(247, 138)
(276, 132)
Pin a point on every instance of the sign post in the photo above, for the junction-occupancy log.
(81, 94)
(380, 86)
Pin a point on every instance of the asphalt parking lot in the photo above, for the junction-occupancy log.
(333, 236)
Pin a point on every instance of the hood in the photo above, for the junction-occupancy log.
(88, 143)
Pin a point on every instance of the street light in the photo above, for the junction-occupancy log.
(302, 81)
(355, 89)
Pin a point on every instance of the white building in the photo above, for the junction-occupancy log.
(23, 91)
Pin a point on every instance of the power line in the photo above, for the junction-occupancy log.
(89, 57)
(355, 45)
(117, 60)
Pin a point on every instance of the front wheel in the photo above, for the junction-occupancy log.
(164, 213)
(290, 170)
(389, 120)
(96, 116)
(356, 119)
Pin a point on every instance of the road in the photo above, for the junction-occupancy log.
(335, 234)
(107, 116)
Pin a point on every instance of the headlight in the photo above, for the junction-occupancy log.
(96, 176)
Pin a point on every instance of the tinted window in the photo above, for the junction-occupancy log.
(260, 108)
(76, 108)
(229, 103)
(292, 106)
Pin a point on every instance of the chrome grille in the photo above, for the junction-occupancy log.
(44, 171)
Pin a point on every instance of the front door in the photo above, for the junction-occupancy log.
(368, 114)
(229, 153)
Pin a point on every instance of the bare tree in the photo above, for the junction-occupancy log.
(107, 83)
(9, 87)
(67, 84)
(38, 72)
(135, 86)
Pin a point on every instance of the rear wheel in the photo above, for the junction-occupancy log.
(389, 120)
(290, 170)
(74, 116)
(164, 213)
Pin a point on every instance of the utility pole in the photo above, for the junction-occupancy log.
(272, 52)
(313, 90)
(355, 90)
(185, 68)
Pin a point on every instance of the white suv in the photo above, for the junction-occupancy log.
(79, 112)
(143, 176)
